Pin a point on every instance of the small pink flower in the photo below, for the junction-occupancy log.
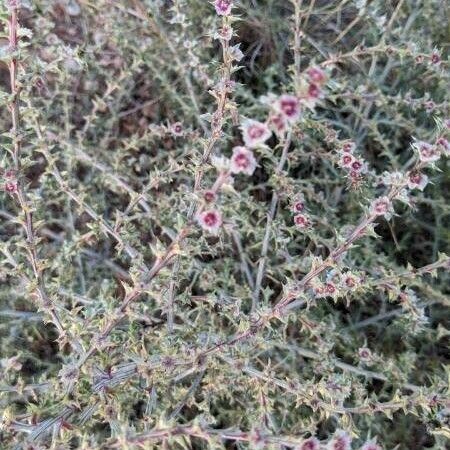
(316, 75)
(289, 106)
(341, 441)
(381, 207)
(242, 161)
(255, 133)
(314, 91)
(346, 160)
(444, 144)
(223, 7)
(301, 221)
(330, 288)
(349, 281)
(427, 152)
(210, 220)
(358, 166)
(277, 122)
(177, 128)
(209, 196)
(225, 33)
(11, 187)
(364, 354)
(435, 58)
(298, 206)
(310, 444)
(417, 180)
(371, 445)
(349, 147)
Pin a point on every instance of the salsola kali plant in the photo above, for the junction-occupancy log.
(224, 225)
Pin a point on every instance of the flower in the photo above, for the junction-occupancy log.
(301, 221)
(347, 160)
(310, 444)
(223, 7)
(209, 196)
(255, 133)
(316, 75)
(371, 445)
(442, 142)
(349, 281)
(341, 441)
(330, 288)
(210, 220)
(364, 353)
(298, 206)
(289, 106)
(427, 152)
(314, 91)
(11, 187)
(242, 161)
(348, 147)
(177, 129)
(417, 180)
(381, 207)
(435, 58)
(225, 33)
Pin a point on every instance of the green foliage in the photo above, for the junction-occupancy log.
(125, 322)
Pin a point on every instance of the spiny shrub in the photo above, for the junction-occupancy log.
(224, 224)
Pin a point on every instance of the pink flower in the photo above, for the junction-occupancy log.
(364, 354)
(310, 444)
(316, 75)
(358, 166)
(298, 206)
(341, 441)
(225, 33)
(349, 147)
(277, 122)
(289, 106)
(427, 152)
(223, 7)
(177, 129)
(255, 133)
(242, 161)
(301, 221)
(371, 445)
(11, 187)
(330, 288)
(349, 281)
(435, 58)
(209, 196)
(381, 207)
(346, 160)
(314, 91)
(417, 180)
(210, 220)
(442, 142)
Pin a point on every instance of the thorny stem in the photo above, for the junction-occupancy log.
(21, 196)
(270, 217)
(216, 132)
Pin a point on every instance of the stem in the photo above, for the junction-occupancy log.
(270, 217)
(21, 196)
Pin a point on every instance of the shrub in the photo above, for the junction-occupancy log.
(224, 225)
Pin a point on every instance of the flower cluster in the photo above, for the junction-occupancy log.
(10, 181)
(354, 165)
(223, 7)
(302, 219)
